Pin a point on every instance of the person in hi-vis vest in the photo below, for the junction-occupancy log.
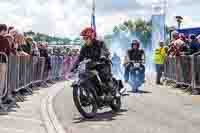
(159, 60)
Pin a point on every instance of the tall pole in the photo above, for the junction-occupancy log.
(93, 23)
(165, 15)
(179, 25)
(179, 20)
(158, 23)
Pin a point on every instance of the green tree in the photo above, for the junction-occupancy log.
(130, 25)
(67, 40)
(108, 40)
(140, 25)
(29, 33)
(116, 30)
(143, 30)
(123, 27)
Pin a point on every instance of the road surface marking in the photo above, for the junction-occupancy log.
(21, 118)
(13, 130)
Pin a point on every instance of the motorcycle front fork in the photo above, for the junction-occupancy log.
(135, 82)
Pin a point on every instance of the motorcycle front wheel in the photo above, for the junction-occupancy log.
(84, 99)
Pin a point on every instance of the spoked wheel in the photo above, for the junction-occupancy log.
(85, 102)
(5, 92)
(116, 104)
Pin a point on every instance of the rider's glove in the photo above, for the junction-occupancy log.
(72, 70)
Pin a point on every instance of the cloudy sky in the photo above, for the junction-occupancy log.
(67, 17)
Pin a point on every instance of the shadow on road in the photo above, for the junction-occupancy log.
(105, 116)
(141, 92)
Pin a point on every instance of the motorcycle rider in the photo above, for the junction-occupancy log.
(134, 54)
(95, 50)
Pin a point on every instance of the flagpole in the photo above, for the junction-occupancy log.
(93, 6)
(93, 23)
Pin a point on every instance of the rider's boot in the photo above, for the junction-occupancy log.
(135, 89)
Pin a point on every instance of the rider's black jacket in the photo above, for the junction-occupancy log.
(93, 52)
(135, 54)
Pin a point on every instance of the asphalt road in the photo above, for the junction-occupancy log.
(27, 118)
(159, 110)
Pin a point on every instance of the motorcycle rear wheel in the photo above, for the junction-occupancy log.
(116, 104)
(78, 103)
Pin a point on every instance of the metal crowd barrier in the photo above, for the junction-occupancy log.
(67, 65)
(61, 66)
(25, 70)
(3, 74)
(57, 67)
(170, 68)
(56, 62)
(196, 76)
(19, 72)
(183, 70)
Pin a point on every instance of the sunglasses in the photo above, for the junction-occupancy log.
(135, 43)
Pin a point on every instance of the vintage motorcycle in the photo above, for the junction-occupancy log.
(91, 94)
(137, 74)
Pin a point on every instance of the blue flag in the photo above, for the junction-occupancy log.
(93, 24)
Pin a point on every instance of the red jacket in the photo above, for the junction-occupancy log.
(4, 45)
(173, 49)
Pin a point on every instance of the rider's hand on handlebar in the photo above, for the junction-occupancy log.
(72, 70)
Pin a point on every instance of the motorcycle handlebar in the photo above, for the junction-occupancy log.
(85, 61)
(141, 62)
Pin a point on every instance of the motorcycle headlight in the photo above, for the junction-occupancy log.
(137, 72)
(137, 64)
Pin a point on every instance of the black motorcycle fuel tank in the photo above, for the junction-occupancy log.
(86, 79)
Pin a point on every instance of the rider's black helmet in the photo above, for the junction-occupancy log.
(135, 42)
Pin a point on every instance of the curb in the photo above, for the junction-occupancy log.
(51, 122)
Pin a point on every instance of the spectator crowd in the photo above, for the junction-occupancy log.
(175, 61)
(15, 43)
(181, 44)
